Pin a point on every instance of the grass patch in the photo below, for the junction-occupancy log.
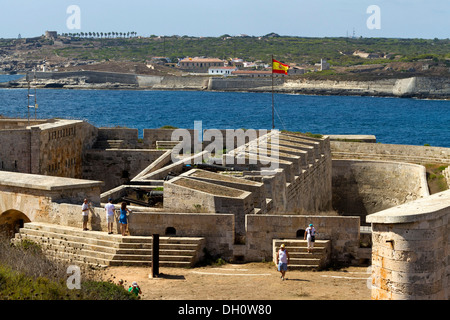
(435, 179)
(27, 274)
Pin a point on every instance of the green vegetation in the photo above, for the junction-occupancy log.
(210, 260)
(27, 274)
(338, 51)
(435, 179)
(390, 57)
(308, 134)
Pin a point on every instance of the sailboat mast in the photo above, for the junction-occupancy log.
(35, 94)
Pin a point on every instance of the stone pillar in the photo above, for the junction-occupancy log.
(35, 150)
(410, 252)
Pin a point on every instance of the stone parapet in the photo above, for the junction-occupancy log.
(390, 152)
(410, 252)
(362, 187)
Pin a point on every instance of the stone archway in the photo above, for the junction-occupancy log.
(11, 221)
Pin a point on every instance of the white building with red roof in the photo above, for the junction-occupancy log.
(200, 65)
(221, 71)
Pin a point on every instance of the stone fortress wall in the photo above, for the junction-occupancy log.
(423, 87)
(410, 252)
(410, 241)
(242, 211)
(54, 147)
(363, 187)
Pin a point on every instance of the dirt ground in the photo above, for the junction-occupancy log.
(250, 281)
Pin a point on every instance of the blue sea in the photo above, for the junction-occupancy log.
(391, 120)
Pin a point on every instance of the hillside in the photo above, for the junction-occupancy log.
(347, 57)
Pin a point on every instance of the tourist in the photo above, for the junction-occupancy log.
(134, 289)
(310, 236)
(85, 213)
(109, 208)
(123, 218)
(121, 283)
(282, 261)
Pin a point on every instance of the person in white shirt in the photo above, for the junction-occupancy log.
(110, 209)
(310, 236)
(282, 261)
(85, 214)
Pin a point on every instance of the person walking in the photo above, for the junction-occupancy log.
(310, 237)
(123, 219)
(110, 208)
(282, 261)
(85, 214)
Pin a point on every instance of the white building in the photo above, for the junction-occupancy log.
(323, 65)
(221, 71)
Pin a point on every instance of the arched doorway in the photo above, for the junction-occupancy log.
(170, 231)
(11, 221)
(300, 233)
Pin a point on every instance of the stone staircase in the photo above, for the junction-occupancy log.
(300, 259)
(101, 249)
(108, 144)
(166, 144)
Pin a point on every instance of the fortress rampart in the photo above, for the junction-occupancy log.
(363, 187)
(249, 204)
(421, 87)
(53, 148)
(410, 252)
(390, 152)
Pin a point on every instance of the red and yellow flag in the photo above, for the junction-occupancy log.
(278, 67)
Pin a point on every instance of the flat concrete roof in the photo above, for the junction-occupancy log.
(417, 210)
(352, 137)
(41, 182)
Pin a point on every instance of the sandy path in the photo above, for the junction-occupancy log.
(251, 281)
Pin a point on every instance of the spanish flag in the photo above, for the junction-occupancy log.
(278, 67)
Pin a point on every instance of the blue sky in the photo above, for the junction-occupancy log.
(315, 18)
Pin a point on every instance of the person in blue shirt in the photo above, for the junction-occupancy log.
(123, 219)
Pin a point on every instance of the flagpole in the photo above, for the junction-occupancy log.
(273, 121)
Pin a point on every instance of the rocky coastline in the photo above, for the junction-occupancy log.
(412, 87)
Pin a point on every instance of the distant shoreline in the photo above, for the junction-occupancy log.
(413, 87)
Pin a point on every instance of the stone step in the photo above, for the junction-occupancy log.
(100, 248)
(300, 258)
(110, 243)
(108, 144)
(168, 264)
(97, 254)
(305, 255)
(56, 237)
(166, 144)
(49, 242)
(304, 261)
(300, 242)
(303, 267)
(101, 235)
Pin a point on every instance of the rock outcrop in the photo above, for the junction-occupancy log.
(417, 87)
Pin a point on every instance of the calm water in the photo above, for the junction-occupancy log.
(391, 120)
